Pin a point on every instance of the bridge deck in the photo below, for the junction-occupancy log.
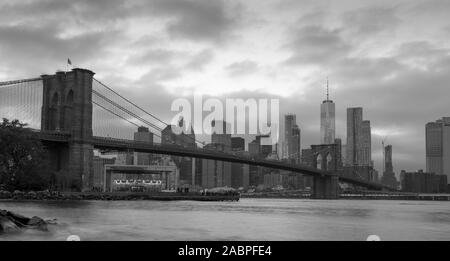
(176, 150)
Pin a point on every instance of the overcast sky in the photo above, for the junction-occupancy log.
(390, 57)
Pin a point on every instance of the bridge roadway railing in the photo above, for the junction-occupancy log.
(55, 136)
(177, 150)
(364, 183)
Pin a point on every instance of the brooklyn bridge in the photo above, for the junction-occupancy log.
(74, 114)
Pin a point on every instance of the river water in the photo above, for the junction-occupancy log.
(248, 219)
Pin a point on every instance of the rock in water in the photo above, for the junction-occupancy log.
(19, 220)
(12, 222)
(7, 226)
(38, 223)
(53, 221)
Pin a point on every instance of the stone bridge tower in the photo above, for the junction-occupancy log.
(67, 108)
(326, 157)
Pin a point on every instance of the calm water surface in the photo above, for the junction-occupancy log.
(248, 219)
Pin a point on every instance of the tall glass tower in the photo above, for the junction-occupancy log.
(354, 135)
(327, 120)
(291, 138)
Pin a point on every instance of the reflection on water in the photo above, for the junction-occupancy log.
(248, 219)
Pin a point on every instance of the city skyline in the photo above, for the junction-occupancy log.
(374, 55)
(234, 123)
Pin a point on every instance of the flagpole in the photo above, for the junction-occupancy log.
(68, 62)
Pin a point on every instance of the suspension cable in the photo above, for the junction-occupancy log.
(126, 110)
(19, 81)
(123, 118)
(153, 116)
(110, 111)
(146, 112)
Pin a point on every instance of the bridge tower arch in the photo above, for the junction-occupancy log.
(326, 159)
(67, 108)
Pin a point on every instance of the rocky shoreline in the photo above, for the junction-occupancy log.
(20, 195)
(11, 222)
(62, 196)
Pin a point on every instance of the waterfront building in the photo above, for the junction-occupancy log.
(187, 166)
(216, 173)
(124, 158)
(143, 135)
(423, 182)
(437, 140)
(99, 171)
(366, 173)
(273, 180)
(240, 173)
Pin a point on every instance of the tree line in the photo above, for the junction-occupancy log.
(24, 162)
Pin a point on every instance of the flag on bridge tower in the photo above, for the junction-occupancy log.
(69, 62)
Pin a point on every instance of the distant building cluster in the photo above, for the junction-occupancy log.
(423, 182)
(352, 159)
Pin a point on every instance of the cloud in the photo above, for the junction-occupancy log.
(37, 49)
(197, 20)
(155, 56)
(369, 21)
(200, 60)
(241, 68)
(210, 21)
(160, 75)
(316, 45)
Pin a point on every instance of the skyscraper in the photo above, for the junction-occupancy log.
(215, 173)
(388, 174)
(223, 136)
(366, 145)
(186, 165)
(295, 146)
(142, 135)
(239, 172)
(359, 140)
(388, 167)
(327, 120)
(220, 170)
(265, 148)
(237, 144)
(354, 121)
(289, 122)
(292, 136)
(438, 147)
